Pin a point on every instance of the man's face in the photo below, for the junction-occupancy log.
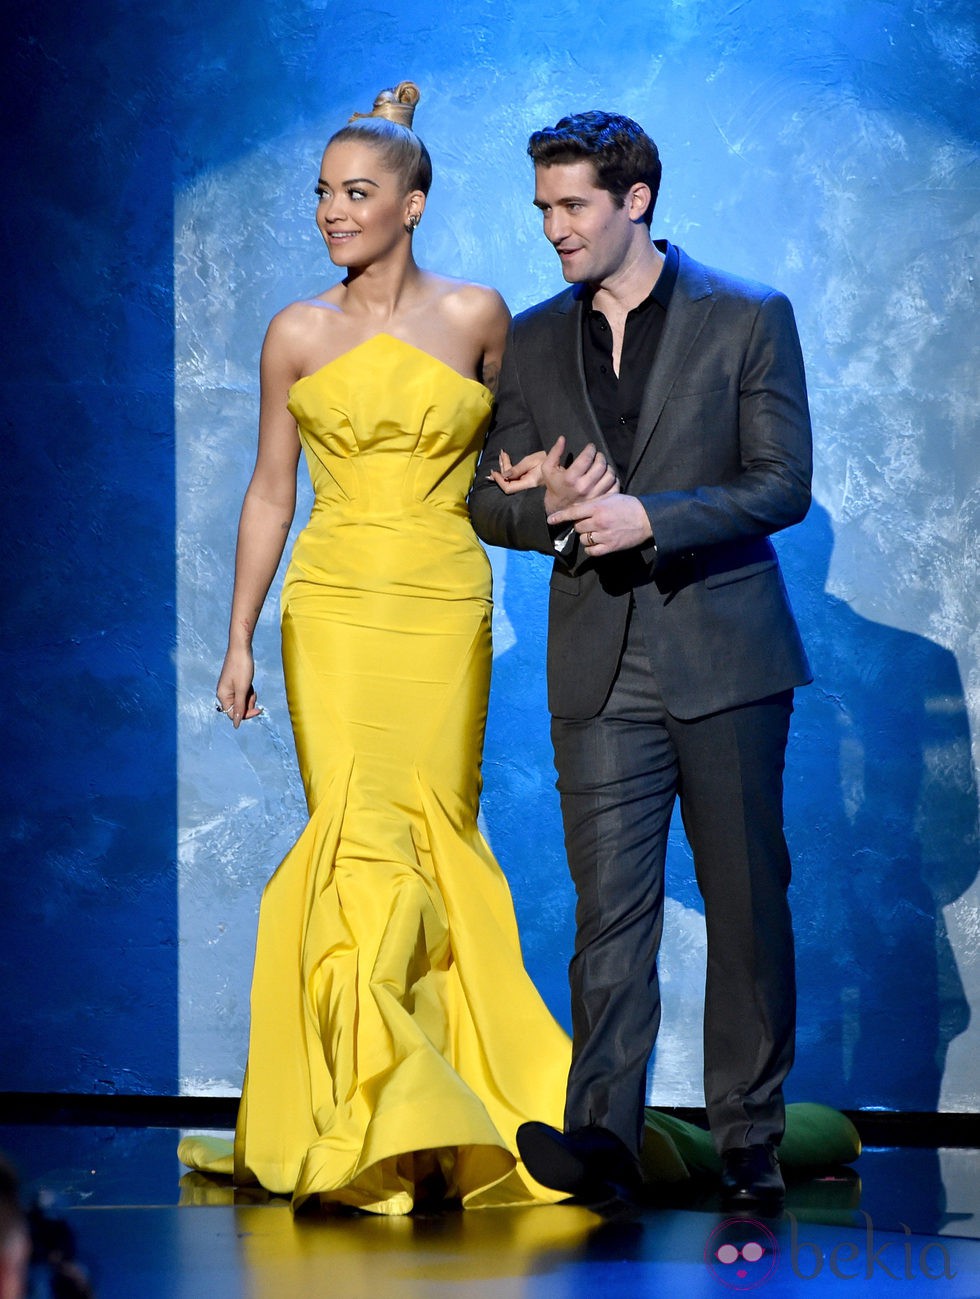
(591, 235)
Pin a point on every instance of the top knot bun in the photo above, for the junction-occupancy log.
(397, 105)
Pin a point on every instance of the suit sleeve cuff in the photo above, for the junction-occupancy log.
(562, 537)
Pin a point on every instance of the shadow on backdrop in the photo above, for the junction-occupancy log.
(881, 806)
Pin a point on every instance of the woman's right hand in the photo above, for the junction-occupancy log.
(235, 692)
(511, 478)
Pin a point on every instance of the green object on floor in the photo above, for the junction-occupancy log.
(816, 1135)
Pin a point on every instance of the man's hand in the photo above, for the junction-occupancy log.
(587, 478)
(609, 523)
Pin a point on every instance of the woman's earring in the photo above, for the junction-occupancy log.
(412, 223)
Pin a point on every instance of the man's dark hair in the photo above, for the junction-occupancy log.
(620, 150)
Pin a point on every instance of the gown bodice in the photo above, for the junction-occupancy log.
(391, 436)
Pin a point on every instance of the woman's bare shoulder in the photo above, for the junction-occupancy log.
(464, 302)
(299, 314)
(467, 294)
(295, 325)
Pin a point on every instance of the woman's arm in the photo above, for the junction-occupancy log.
(495, 322)
(267, 513)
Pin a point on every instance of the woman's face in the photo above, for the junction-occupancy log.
(362, 207)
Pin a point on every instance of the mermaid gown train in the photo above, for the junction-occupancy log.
(396, 1041)
(395, 1036)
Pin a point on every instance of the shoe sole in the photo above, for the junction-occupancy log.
(542, 1155)
(564, 1172)
(752, 1199)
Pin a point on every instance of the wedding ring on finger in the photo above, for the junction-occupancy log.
(589, 539)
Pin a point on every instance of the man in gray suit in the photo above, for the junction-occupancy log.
(651, 432)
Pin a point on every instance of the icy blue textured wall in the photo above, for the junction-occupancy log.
(88, 888)
(827, 148)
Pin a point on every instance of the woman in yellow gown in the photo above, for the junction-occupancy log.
(396, 1041)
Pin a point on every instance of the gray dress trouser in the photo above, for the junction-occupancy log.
(618, 776)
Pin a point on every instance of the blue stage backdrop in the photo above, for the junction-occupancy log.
(160, 210)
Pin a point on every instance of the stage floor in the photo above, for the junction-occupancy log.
(903, 1221)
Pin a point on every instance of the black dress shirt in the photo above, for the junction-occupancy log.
(616, 398)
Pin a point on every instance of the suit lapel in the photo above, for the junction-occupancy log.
(690, 305)
(578, 420)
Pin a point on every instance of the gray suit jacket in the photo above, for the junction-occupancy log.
(721, 460)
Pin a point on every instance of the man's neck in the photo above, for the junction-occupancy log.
(630, 283)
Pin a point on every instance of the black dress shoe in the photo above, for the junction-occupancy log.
(750, 1175)
(589, 1163)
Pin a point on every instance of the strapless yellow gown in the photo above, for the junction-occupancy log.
(396, 1041)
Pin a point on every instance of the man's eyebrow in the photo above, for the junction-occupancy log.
(566, 198)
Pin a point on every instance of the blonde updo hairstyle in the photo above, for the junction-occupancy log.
(388, 127)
